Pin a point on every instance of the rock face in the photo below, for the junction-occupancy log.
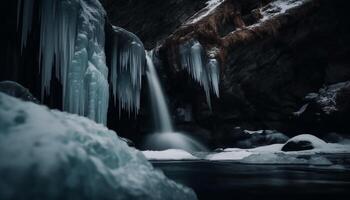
(151, 20)
(272, 54)
(328, 109)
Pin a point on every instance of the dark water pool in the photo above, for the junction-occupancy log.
(229, 180)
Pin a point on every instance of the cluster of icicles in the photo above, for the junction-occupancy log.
(72, 38)
(204, 70)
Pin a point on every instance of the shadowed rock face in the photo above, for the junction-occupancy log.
(151, 20)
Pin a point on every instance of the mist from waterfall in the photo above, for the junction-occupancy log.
(165, 137)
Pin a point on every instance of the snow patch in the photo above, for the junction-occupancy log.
(229, 155)
(279, 7)
(211, 6)
(170, 154)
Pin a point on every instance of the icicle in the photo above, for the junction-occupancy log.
(26, 9)
(205, 72)
(72, 39)
(128, 60)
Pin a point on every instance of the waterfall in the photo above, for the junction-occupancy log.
(160, 110)
(165, 137)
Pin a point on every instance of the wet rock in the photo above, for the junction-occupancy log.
(16, 90)
(297, 146)
(261, 138)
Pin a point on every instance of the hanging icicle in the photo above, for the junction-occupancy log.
(72, 40)
(205, 72)
(128, 60)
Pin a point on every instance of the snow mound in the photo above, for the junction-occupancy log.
(170, 154)
(303, 142)
(54, 155)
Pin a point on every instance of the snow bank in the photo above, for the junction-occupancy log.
(170, 154)
(230, 155)
(54, 155)
(273, 154)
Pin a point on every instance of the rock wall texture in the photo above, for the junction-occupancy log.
(268, 65)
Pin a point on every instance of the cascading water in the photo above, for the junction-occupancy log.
(165, 137)
(161, 114)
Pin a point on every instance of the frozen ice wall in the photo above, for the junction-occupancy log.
(128, 61)
(50, 155)
(204, 70)
(72, 40)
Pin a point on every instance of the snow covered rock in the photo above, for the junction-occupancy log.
(48, 154)
(303, 142)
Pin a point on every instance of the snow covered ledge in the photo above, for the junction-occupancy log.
(46, 154)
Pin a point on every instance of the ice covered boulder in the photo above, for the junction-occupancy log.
(47, 154)
(303, 142)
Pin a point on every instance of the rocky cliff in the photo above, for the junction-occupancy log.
(272, 54)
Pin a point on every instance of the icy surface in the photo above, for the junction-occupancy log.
(128, 60)
(72, 40)
(203, 70)
(54, 155)
(211, 6)
(170, 154)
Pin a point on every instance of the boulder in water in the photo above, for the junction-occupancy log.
(303, 142)
(17, 90)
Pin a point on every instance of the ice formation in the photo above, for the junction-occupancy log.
(72, 39)
(55, 155)
(206, 71)
(128, 60)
